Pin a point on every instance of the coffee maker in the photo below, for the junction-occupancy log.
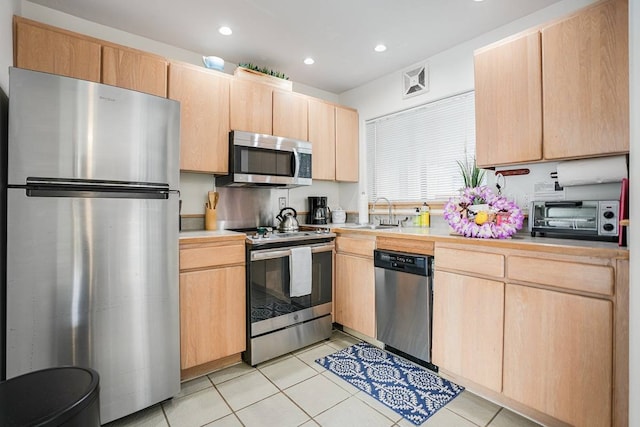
(318, 210)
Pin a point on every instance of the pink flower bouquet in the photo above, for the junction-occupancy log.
(502, 219)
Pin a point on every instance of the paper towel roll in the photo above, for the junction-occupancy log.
(592, 171)
(363, 209)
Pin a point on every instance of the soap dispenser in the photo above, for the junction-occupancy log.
(416, 218)
(425, 220)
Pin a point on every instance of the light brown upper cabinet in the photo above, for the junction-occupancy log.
(251, 107)
(135, 70)
(322, 135)
(508, 98)
(333, 131)
(290, 115)
(41, 47)
(560, 91)
(44, 48)
(585, 80)
(204, 117)
(346, 145)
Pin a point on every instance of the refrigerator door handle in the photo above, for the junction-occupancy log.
(97, 194)
(46, 187)
(85, 184)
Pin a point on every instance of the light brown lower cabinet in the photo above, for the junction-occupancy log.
(354, 298)
(558, 354)
(355, 294)
(212, 305)
(545, 334)
(212, 315)
(468, 327)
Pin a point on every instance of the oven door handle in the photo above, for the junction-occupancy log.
(284, 252)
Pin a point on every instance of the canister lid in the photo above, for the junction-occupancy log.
(47, 397)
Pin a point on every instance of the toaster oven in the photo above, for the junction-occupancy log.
(584, 219)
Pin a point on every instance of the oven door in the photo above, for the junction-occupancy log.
(270, 305)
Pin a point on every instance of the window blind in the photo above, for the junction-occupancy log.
(412, 154)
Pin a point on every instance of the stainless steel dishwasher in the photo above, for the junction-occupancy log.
(403, 302)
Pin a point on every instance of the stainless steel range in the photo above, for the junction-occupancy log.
(289, 286)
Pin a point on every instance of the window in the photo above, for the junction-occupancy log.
(411, 155)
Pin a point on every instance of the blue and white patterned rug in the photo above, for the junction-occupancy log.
(411, 390)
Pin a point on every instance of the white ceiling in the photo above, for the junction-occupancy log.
(339, 34)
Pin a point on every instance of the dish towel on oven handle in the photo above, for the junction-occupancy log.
(300, 271)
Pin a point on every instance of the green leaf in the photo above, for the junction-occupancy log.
(263, 70)
(471, 174)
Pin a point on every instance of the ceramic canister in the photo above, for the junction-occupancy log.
(338, 216)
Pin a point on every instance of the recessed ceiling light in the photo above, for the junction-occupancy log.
(477, 0)
(380, 48)
(309, 61)
(225, 31)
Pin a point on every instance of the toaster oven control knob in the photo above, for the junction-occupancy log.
(608, 214)
(608, 227)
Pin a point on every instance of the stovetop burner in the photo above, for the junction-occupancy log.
(263, 235)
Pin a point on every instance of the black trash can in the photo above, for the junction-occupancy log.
(64, 396)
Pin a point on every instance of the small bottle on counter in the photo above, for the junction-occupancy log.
(425, 220)
(416, 218)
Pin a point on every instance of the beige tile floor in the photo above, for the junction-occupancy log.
(293, 390)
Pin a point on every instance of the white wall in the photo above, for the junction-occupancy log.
(451, 72)
(634, 282)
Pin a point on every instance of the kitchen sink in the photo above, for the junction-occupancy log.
(373, 226)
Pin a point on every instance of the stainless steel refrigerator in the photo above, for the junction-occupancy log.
(92, 236)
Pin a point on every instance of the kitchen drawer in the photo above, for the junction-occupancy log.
(412, 246)
(363, 246)
(210, 255)
(598, 279)
(474, 262)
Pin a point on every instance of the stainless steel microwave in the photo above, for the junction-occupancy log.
(259, 160)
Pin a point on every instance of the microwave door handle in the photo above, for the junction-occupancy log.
(296, 162)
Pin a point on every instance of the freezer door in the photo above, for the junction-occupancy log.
(66, 128)
(94, 282)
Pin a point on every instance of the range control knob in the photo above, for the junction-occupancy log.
(608, 227)
(608, 214)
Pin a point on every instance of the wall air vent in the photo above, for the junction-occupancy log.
(415, 80)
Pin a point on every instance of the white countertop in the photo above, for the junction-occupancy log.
(440, 231)
(199, 235)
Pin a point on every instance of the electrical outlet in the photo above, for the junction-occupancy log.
(282, 202)
(525, 200)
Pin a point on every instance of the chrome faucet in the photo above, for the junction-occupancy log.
(373, 209)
